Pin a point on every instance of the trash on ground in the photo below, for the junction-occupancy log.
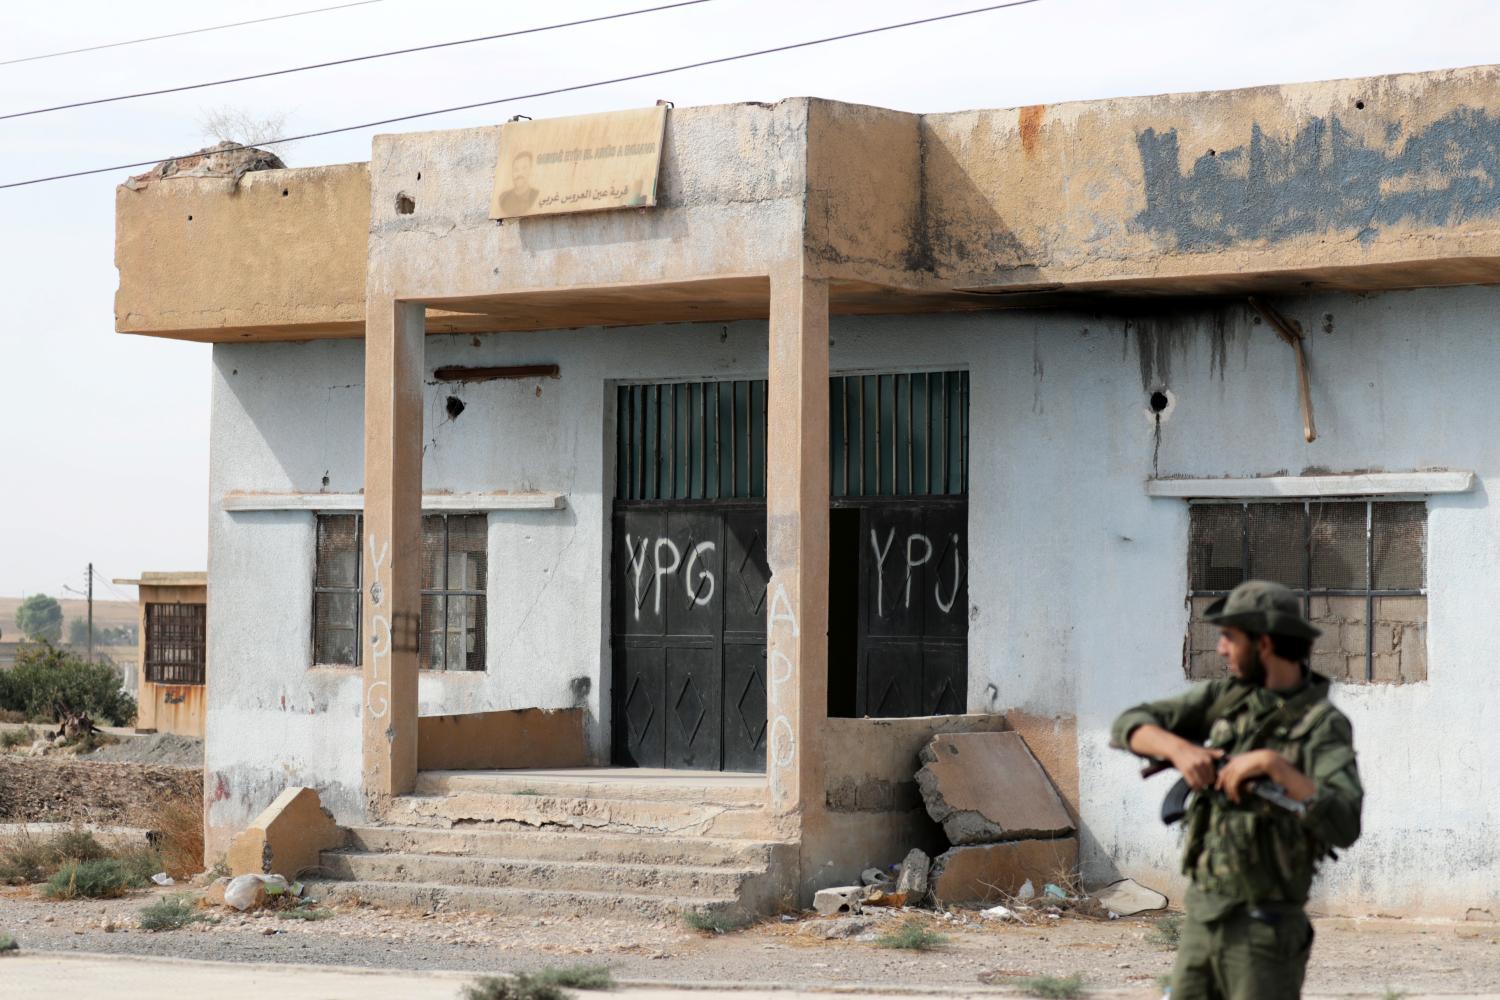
(1054, 891)
(162, 878)
(1128, 897)
(999, 913)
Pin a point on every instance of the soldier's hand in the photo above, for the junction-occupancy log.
(1244, 769)
(1196, 764)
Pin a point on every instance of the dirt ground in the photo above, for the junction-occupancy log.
(68, 789)
(1363, 956)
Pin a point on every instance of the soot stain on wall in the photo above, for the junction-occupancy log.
(1324, 178)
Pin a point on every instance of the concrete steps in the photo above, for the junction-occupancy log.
(507, 901)
(653, 844)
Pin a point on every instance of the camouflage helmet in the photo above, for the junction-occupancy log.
(1263, 607)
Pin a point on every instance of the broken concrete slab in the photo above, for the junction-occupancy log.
(914, 870)
(988, 787)
(839, 899)
(982, 873)
(287, 838)
(1128, 897)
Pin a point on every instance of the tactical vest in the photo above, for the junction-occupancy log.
(1255, 851)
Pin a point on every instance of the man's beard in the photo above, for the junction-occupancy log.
(1253, 671)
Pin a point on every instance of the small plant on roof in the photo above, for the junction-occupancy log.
(912, 935)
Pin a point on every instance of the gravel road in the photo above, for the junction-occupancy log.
(1352, 956)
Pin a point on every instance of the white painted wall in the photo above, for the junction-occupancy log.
(1077, 578)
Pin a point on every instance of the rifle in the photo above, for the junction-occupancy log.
(1174, 806)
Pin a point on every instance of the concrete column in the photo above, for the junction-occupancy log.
(797, 547)
(392, 544)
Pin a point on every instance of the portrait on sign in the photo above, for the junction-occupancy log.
(587, 163)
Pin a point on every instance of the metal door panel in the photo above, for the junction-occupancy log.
(892, 679)
(945, 679)
(894, 554)
(639, 712)
(745, 706)
(688, 560)
(945, 591)
(747, 574)
(637, 595)
(693, 708)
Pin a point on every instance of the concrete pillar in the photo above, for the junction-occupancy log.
(797, 547)
(392, 544)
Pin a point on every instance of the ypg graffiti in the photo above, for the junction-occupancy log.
(1326, 178)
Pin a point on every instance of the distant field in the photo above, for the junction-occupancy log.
(107, 614)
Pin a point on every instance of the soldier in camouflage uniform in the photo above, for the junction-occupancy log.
(1246, 936)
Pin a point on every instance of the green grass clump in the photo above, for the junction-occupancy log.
(578, 977)
(8, 943)
(715, 921)
(912, 936)
(25, 858)
(1393, 994)
(12, 738)
(518, 987)
(102, 879)
(169, 913)
(304, 913)
(1064, 988)
(1166, 931)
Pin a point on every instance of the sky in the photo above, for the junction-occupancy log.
(104, 437)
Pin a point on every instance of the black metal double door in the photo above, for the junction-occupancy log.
(689, 636)
(914, 609)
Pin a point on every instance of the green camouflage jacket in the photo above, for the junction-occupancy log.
(1256, 852)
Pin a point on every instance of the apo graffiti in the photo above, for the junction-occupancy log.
(377, 689)
(782, 748)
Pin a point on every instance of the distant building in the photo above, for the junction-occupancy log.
(173, 668)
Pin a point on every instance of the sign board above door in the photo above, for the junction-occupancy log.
(586, 163)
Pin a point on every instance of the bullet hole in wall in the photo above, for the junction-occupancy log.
(580, 687)
(1159, 401)
(455, 407)
(1212, 153)
(190, 218)
(419, 175)
(325, 480)
(1328, 322)
(405, 204)
(1360, 105)
(285, 192)
(538, 392)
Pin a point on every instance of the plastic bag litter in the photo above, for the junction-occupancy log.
(999, 913)
(1027, 890)
(162, 878)
(1054, 891)
(243, 890)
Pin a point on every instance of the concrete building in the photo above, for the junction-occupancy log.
(172, 670)
(876, 425)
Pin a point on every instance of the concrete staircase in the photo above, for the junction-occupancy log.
(594, 842)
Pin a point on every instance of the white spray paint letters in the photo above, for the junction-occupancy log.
(919, 551)
(377, 700)
(666, 560)
(782, 746)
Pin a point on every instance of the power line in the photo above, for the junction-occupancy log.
(345, 62)
(180, 34)
(540, 93)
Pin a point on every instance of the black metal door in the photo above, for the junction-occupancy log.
(689, 637)
(913, 657)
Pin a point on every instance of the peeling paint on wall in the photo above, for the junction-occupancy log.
(1325, 178)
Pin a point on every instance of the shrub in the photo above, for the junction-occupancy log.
(1065, 988)
(25, 858)
(169, 913)
(912, 936)
(715, 921)
(517, 987)
(45, 678)
(1166, 931)
(8, 943)
(304, 913)
(179, 826)
(13, 738)
(578, 977)
(103, 879)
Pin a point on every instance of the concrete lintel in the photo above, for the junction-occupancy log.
(236, 503)
(1358, 484)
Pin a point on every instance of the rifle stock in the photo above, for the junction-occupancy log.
(1174, 806)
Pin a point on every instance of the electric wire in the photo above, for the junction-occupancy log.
(181, 34)
(541, 93)
(345, 62)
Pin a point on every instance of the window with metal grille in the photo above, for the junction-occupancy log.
(1358, 565)
(454, 553)
(691, 441)
(453, 591)
(175, 643)
(892, 435)
(336, 590)
(899, 435)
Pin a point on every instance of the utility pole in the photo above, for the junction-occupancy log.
(91, 612)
